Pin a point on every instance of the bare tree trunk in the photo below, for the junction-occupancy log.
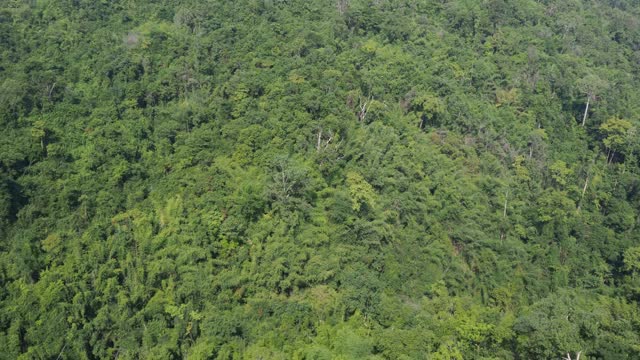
(363, 109)
(586, 110)
(51, 90)
(323, 142)
(584, 190)
(577, 356)
(342, 6)
(506, 198)
(61, 351)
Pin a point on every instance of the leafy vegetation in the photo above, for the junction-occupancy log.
(330, 179)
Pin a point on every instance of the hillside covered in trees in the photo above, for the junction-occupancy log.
(326, 179)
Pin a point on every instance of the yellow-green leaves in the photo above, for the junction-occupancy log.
(522, 173)
(560, 172)
(51, 243)
(360, 190)
(507, 97)
(617, 133)
(632, 259)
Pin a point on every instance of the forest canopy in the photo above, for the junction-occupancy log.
(327, 179)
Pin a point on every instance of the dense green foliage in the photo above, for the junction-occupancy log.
(330, 179)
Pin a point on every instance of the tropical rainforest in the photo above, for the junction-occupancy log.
(326, 179)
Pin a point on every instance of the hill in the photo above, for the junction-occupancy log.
(329, 179)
